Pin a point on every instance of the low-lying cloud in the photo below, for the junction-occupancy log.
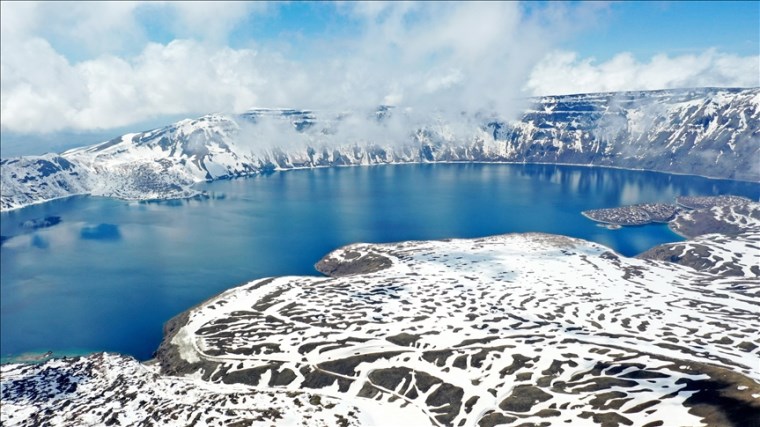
(561, 73)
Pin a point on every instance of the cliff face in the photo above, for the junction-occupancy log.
(706, 132)
(710, 132)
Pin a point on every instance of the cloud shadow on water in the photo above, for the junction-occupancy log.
(40, 243)
(37, 223)
(106, 232)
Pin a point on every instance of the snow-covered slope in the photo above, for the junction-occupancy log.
(724, 232)
(730, 220)
(109, 389)
(711, 132)
(521, 329)
(35, 179)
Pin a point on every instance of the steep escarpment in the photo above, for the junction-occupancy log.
(710, 132)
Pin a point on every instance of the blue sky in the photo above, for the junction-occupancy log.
(643, 28)
(648, 28)
(77, 71)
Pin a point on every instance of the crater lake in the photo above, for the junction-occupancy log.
(86, 274)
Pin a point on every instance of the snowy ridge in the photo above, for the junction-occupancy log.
(715, 253)
(512, 329)
(724, 233)
(727, 219)
(711, 132)
(28, 180)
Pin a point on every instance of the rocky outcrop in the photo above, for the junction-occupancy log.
(726, 219)
(641, 214)
(724, 232)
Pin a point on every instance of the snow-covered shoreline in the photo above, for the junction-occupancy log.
(504, 329)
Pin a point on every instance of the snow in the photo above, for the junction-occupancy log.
(488, 320)
(608, 129)
(468, 277)
(115, 387)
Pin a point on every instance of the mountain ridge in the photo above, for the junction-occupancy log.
(711, 132)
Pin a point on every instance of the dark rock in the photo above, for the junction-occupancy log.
(523, 398)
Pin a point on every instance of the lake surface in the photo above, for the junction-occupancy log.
(112, 272)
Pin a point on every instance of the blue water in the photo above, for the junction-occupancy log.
(112, 272)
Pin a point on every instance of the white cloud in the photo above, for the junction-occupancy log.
(82, 67)
(88, 29)
(211, 21)
(565, 73)
(449, 58)
(43, 92)
(81, 28)
(445, 57)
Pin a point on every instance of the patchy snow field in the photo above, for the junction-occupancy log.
(512, 329)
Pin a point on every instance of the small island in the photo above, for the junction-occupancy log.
(641, 214)
(691, 216)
